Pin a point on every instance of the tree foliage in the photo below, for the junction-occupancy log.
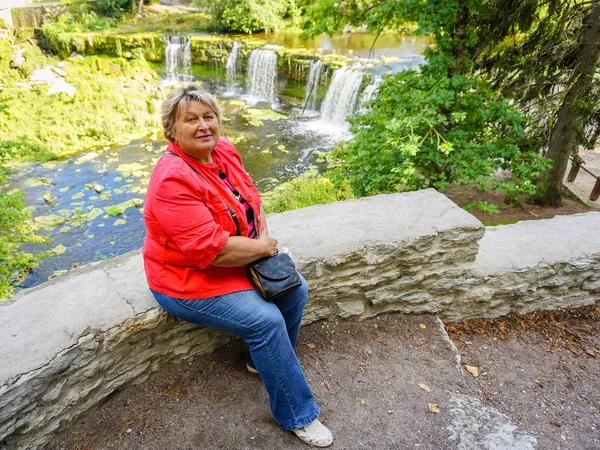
(429, 129)
(15, 230)
(528, 50)
(112, 8)
(249, 16)
(550, 73)
(436, 126)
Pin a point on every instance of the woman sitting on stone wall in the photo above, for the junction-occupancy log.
(195, 255)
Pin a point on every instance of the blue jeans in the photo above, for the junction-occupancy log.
(271, 330)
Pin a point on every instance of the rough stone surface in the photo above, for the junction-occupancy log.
(526, 244)
(71, 342)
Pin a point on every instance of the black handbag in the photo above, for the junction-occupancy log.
(273, 276)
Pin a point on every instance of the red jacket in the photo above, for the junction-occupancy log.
(188, 224)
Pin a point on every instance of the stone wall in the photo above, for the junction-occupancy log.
(69, 343)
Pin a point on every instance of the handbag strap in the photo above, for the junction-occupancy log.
(231, 211)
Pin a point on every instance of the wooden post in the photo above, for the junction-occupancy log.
(596, 191)
(573, 172)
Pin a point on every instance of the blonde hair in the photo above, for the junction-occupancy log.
(178, 99)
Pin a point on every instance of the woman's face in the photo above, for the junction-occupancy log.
(197, 131)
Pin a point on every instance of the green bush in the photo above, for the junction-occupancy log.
(112, 8)
(249, 16)
(430, 129)
(15, 230)
(307, 190)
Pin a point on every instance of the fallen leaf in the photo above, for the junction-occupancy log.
(422, 325)
(326, 383)
(311, 346)
(433, 408)
(472, 370)
(362, 402)
(424, 387)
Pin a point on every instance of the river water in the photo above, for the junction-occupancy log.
(91, 204)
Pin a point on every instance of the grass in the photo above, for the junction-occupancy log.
(309, 189)
(116, 100)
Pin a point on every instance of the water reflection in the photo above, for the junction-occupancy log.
(364, 45)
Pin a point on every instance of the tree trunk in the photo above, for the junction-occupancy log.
(563, 137)
(460, 35)
(140, 7)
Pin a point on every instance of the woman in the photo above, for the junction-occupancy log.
(195, 252)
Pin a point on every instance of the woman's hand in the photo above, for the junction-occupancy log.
(239, 251)
(269, 243)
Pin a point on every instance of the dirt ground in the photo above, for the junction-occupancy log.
(463, 195)
(538, 371)
(541, 369)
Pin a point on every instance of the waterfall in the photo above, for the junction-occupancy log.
(341, 98)
(233, 69)
(314, 76)
(178, 59)
(262, 74)
(234, 63)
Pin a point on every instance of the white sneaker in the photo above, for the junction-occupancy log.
(315, 434)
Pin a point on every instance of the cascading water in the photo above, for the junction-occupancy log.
(234, 63)
(262, 74)
(178, 59)
(341, 98)
(314, 76)
(233, 68)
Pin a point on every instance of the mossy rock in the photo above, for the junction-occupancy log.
(147, 45)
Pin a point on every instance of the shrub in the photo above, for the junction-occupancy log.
(307, 190)
(112, 8)
(249, 16)
(15, 230)
(430, 129)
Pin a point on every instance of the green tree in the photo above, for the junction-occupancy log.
(540, 53)
(112, 8)
(249, 16)
(428, 129)
(550, 72)
(441, 125)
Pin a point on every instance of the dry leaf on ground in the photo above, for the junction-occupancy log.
(326, 383)
(362, 402)
(422, 325)
(424, 387)
(472, 370)
(311, 346)
(433, 408)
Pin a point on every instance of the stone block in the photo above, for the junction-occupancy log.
(591, 286)
(349, 309)
(582, 265)
(454, 284)
(406, 297)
